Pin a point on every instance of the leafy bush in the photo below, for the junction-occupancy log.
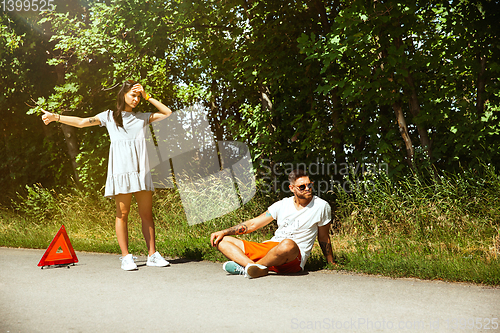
(39, 203)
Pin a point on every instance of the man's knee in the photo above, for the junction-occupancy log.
(226, 240)
(229, 241)
(288, 246)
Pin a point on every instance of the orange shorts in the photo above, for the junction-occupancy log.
(256, 251)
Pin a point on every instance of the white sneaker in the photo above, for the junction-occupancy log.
(128, 263)
(255, 270)
(157, 260)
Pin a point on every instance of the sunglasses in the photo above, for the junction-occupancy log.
(303, 186)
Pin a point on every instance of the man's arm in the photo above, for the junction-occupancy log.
(242, 228)
(325, 242)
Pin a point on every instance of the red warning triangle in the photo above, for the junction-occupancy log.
(60, 251)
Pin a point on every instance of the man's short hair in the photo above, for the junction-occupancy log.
(296, 174)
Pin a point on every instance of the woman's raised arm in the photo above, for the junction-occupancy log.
(164, 110)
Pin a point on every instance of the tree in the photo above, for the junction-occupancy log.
(299, 81)
(404, 57)
(24, 76)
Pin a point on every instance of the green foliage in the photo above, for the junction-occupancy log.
(376, 56)
(24, 76)
(297, 81)
(39, 204)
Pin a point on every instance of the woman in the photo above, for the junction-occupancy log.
(128, 165)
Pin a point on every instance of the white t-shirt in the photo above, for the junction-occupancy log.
(301, 226)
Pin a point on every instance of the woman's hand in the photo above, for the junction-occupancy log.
(49, 117)
(156, 116)
(139, 89)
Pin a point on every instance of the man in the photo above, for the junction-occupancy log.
(300, 219)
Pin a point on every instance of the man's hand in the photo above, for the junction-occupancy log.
(216, 237)
(242, 228)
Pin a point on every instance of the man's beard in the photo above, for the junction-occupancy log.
(305, 195)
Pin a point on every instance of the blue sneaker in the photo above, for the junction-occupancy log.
(233, 268)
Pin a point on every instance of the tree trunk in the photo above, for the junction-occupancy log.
(216, 113)
(69, 133)
(320, 8)
(337, 139)
(481, 83)
(265, 98)
(396, 105)
(403, 129)
(415, 111)
(72, 144)
(413, 100)
(267, 106)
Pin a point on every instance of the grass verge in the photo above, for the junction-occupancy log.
(445, 228)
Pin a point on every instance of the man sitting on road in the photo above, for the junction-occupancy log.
(300, 219)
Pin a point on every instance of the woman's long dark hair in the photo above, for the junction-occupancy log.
(120, 102)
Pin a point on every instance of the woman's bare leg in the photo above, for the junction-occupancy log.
(121, 223)
(145, 204)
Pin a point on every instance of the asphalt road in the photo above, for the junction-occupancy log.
(95, 295)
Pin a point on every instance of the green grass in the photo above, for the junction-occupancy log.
(89, 221)
(444, 228)
(397, 257)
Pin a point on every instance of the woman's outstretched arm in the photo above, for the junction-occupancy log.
(49, 117)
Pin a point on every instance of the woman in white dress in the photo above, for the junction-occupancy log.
(128, 165)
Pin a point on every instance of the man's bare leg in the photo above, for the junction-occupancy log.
(234, 250)
(286, 251)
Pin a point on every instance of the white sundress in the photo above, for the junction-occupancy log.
(128, 165)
